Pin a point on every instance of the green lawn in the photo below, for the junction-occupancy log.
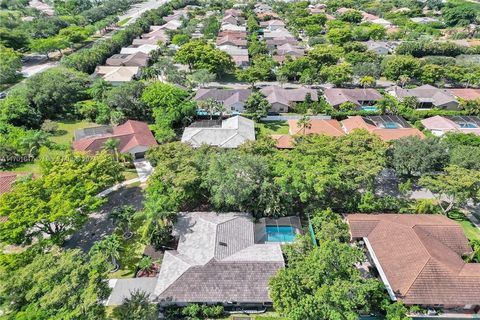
(469, 228)
(130, 174)
(66, 129)
(273, 127)
(123, 22)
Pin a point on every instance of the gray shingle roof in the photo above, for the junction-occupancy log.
(223, 282)
(217, 260)
(226, 96)
(233, 132)
(337, 96)
(427, 93)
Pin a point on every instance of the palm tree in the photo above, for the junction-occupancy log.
(110, 248)
(145, 264)
(124, 217)
(305, 123)
(111, 145)
(212, 106)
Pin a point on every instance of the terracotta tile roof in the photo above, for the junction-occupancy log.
(466, 94)
(283, 141)
(8, 178)
(6, 181)
(329, 127)
(358, 122)
(129, 135)
(420, 256)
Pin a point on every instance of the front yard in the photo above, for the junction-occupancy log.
(471, 231)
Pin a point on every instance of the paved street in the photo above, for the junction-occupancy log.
(139, 8)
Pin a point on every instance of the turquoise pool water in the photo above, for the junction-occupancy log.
(369, 108)
(280, 233)
(468, 125)
(391, 125)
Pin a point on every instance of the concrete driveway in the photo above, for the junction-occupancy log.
(144, 169)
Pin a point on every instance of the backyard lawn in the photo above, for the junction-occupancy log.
(66, 130)
(272, 127)
(469, 228)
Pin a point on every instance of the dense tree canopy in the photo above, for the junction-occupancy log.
(55, 285)
(57, 202)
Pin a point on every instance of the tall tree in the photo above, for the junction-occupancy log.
(56, 284)
(109, 247)
(10, 64)
(456, 186)
(136, 307)
(58, 202)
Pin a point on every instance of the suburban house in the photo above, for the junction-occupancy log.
(229, 133)
(170, 25)
(138, 59)
(360, 97)
(232, 40)
(439, 125)
(288, 49)
(424, 20)
(387, 127)
(428, 96)
(272, 25)
(132, 137)
(277, 33)
(42, 7)
(381, 47)
(382, 22)
(150, 40)
(283, 141)
(329, 127)
(158, 35)
(117, 75)
(280, 99)
(232, 99)
(419, 259)
(279, 41)
(233, 27)
(220, 259)
(145, 48)
(262, 8)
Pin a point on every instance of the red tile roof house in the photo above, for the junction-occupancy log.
(133, 137)
(329, 127)
(419, 259)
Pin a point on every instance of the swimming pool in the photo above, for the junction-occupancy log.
(280, 233)
(391, 125)
(467, 125)
(369, 108)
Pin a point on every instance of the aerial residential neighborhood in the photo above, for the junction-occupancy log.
(239, 160)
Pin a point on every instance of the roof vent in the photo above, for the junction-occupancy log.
(222, 243)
